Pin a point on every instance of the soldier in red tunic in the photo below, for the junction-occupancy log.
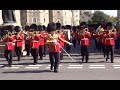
(34, 42)
(54, 46)
(27, 42)
(84, 42)
(19, 37)
(109, 42)
(9, 39)
(74, 36)
(41, 42)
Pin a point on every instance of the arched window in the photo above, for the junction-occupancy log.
(44, 19)
(34, 19)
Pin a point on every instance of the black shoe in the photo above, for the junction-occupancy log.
(82, 59)
(41, 58)
(112, 61)
(86, 61)
(106, 59)
(56, 71)
(51, 67)
(34, 63)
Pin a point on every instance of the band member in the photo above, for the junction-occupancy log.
(19, 37)
(9, 39)
(27, 42)
(109, 42)
(60, 33)
(84, 42)
(41, 42)
(34, 42)
(54, 46)
(74, 36)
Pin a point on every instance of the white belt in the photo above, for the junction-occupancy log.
(34, 41)
(108, 38)
(84, 39)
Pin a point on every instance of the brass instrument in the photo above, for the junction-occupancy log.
(9, 34)
(112, 31)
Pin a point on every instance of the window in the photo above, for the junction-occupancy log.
(76, 16)
(34, 19)
(58, 12)
(44, 19)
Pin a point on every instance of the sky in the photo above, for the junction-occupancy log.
(109, 12)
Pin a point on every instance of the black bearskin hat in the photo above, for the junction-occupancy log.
(58, 26)
(83, 23)
(17, 29)
(27, 28)
(9, 28)
(39, 27)
(33, 26)
(63, 27)
(68, 27)
(44, 27)
(74, 28)
(51, 27)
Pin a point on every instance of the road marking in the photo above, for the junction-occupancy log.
(97, 65)
(34, 65)
(50, 65)
(11, 67)
(17, 65)
(31, 67)
(75, 65)
(116, 65)
(1, 65)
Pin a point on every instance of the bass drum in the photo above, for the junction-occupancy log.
(67, 34)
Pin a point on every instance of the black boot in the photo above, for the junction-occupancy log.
(55, 70)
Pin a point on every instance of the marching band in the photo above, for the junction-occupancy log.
(37, 38)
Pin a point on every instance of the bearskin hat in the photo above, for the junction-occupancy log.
(74, 28)
(27, 28)
(63, 27)
(44, 27)
(68, 27)
(58, 26)
(17, 29)
(83, 23)
(33, 26)
(51, 27)
(39, 28)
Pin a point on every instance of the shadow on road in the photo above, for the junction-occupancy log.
(31, 71)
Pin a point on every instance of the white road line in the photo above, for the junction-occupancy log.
(31, 67)
(97, 65)
(1, 65)
(17, 65)
(11, 67)
(50, 65)
(34, 65)
(74, 67)
(116, 65)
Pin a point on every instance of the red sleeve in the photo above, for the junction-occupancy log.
(21, 37)
(87, 35)
(113, 35)
(80, 36)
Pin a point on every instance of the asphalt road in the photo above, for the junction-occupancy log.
(96, 69)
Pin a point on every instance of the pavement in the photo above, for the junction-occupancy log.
(96, 69)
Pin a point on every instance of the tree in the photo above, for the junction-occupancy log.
(99, 16)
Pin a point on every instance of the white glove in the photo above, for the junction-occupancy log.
(70, 43)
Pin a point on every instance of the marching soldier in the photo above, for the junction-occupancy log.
(84, 42)
(19, 37)
(74, 36)
(109, 42)
(9, 39)
(61, 35)
(27, 42)
(34, 42)
(54, 46)
(41, 42)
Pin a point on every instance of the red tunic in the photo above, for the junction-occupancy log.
(9, 43)
(19, 40)
(84, 39)
(34, 44)
(61, 42)
(42, 41)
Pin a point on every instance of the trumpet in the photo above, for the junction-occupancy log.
(112, 31)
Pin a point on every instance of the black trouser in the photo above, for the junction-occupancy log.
(41, 51)
(96, 44)
(68, 47)
(45, 48)
(56, 56)
(85, 53)
(61, 53)
(27, 48)
(34, 53)
(18, 51)
(110, 48)
(8, 55)
(74, 43)
(102, 46)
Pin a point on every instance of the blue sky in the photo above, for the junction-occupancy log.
(109, 12)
